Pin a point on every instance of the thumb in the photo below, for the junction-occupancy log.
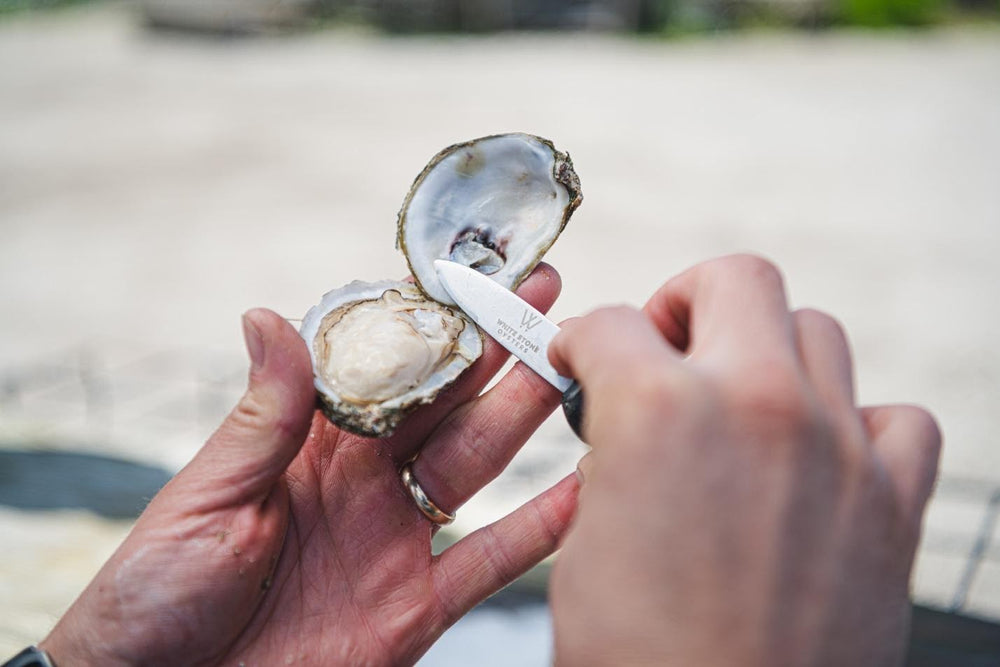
(266, 429)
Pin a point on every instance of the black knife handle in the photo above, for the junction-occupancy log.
(572, 402)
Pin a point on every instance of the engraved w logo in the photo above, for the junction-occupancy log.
(529, 320)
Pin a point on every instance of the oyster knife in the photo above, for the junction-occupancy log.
(513, 323)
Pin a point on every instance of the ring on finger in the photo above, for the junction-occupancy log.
(424, 503)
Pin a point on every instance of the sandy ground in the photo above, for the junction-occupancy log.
(153, 188)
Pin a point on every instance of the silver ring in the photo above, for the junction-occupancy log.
(425, 504)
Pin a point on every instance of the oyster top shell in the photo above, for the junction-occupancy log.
(495, 204)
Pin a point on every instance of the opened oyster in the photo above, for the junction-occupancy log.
(381, 349)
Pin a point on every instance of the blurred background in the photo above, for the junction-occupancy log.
(167, 164)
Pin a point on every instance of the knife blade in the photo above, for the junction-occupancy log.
(515, 324)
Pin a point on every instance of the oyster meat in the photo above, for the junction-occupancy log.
(381, 349)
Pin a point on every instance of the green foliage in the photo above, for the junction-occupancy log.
(13, 6)
(883, 13)
(654, 15)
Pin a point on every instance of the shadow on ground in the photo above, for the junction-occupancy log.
(945, 639)
(49, 480)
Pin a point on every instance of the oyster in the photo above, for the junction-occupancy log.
(381, 349)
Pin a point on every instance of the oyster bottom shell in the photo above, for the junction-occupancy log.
(381, 349)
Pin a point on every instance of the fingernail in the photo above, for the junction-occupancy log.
(254, 342)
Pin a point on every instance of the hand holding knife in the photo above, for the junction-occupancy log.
(513, 323)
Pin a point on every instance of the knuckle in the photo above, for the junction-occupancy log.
(647, 399)
(615, 337)
(582, 332)
(500, 565)
(817, 320)
(923, 424)
(857, 463)
(788, 417)
(750, 267)
(926, 437)
(911, 425)
(649, 388)
(471, 448)
(533, 390)
(482, 449)
(261, 416)
(609, 316)
(774, 390)
(550, 526)
(251, 413)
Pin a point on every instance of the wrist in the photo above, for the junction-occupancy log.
(68, 648)
(61, 653)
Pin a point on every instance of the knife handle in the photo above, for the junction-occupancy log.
(572, 403)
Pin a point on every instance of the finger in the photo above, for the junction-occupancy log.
(907, 441)
(475, 443)
(616, 355)
(826, 356)
(733, 304)
(540, 289)
(266, 429)
(608, 346)
(487, 560)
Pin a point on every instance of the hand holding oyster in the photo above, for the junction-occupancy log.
(379, 350)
